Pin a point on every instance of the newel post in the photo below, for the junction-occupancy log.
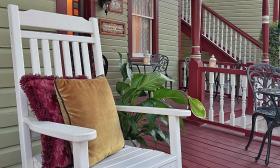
(265, 30)
(196, 82)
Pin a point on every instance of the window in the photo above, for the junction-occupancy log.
(142, 21)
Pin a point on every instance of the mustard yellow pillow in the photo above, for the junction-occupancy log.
(89, 103)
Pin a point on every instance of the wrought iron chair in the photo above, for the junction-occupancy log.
(161, 66)
(264, 76)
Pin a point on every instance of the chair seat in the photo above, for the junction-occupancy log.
(130, 157)
(267, 111)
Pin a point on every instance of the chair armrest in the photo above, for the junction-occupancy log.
(61, 131)
(154, 110)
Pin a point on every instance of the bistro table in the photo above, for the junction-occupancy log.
(272, 93)
(141, 64)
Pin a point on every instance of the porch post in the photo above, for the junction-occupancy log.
(265, 30)
(196, 82)
(276, 11)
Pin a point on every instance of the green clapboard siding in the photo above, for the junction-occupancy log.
(168, 35)
(9, 140)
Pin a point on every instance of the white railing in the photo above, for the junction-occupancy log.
(230, 39)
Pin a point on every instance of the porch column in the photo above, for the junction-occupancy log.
(265, 30)
(276, 11)
(196, 82)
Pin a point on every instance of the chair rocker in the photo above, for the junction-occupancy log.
(62, 65)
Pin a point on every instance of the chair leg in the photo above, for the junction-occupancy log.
(254, 117)
(268, 147)
(263, 141)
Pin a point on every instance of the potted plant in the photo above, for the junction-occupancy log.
(147, 90)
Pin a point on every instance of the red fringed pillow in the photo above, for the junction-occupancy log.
(40, 91)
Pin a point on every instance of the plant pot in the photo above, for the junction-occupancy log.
(132, 143)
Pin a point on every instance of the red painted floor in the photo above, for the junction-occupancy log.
(204, 147)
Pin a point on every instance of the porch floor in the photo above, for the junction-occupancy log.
(206, 147)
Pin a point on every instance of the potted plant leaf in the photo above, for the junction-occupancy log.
(147, 90)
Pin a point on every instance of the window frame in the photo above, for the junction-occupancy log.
(154, 31)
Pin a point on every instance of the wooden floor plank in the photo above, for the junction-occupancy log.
(205, 147)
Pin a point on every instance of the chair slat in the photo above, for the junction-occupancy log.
(46, 57)
(55, 36)
(86, 61)
(77, 58)
(57, 58)
(35, 60)
(49, 20)
(67, 58)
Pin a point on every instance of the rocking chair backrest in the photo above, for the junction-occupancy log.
(78, 55)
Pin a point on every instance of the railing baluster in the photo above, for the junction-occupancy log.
(230, 49)
(244, 97)
(255, 53)
(245, 50)
(185, 75)
(218, 32)
(209, 28)
(240, 47)
(226, 45)
(190, 13)
(250, 51)
(221, 115)
(235, 44)
(183, 9)
(211, 91)
(232, 100)
(228, 81)
(214, 29)
(222, 37)
(205, 22)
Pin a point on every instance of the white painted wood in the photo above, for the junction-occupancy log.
(214, 29)
(57, 58)
(77, 58)
(218, 32)
(209, 26)
(226, 44)
(244, 85)
(228, 81)
(97, 52)
(86, 60)
(67, 58)
(222, 113)
(245, 51)
(80, 154)
(35, 60)
(46, 57)
(211, 91)
(255, 53)
(205, 22)
(230, 45)
(190, 12)
(232, 99)
(62, 131)
(153, 110)
(49, 20)
(18, 65)
(235, 45)
(183, 8)
(55, 36)
(250, 52)
(185, 75)
(222, 36)
(175, 138)
(240, 47)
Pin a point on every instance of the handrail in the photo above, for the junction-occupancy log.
(231, 25)
(223, 70)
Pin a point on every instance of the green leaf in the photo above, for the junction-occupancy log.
(197, 107)
(175, 95)
(121, 87)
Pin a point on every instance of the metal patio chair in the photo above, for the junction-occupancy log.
(261, 77)
(78, 136)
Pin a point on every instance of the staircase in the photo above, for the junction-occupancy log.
(221, 37)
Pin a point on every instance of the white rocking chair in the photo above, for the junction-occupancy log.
(79, 137)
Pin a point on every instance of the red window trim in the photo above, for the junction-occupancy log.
(155, 31)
